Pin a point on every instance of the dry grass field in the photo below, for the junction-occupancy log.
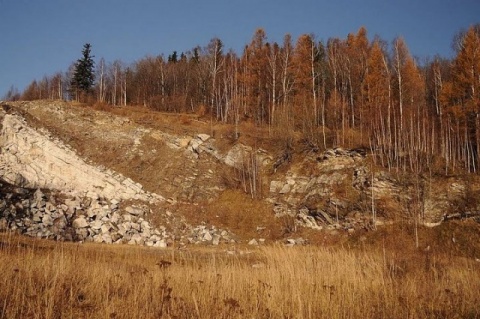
(45, 279)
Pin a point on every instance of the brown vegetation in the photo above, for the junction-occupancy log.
(379, 279)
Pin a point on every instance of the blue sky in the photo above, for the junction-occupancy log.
(40, 38)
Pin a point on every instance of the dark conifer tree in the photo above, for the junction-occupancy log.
(83, 75)
(173, 57)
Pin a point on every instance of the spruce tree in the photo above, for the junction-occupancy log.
(83, 75)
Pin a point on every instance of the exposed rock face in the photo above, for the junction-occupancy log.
(32, 159)
(321, 199)
(239, 155)
(338, 194)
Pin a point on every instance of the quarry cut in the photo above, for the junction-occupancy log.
(33, 159)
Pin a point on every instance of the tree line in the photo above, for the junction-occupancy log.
(349, 92)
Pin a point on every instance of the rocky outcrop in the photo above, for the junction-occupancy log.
(239, 156)
(338, 194)
(33, 159)
(321, 199)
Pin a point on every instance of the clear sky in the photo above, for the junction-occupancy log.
(41, 37)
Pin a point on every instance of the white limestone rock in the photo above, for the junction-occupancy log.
(80, 222)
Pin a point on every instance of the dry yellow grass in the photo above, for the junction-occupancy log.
(42, 279)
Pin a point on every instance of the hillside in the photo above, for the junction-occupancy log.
(219, 217)
(197, 183)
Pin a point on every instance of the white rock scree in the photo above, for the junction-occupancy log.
(70, 217)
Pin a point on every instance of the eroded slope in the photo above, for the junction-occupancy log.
(191, 165)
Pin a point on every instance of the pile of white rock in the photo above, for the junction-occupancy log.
(74, 218)
(204, 234)
(82, 218)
